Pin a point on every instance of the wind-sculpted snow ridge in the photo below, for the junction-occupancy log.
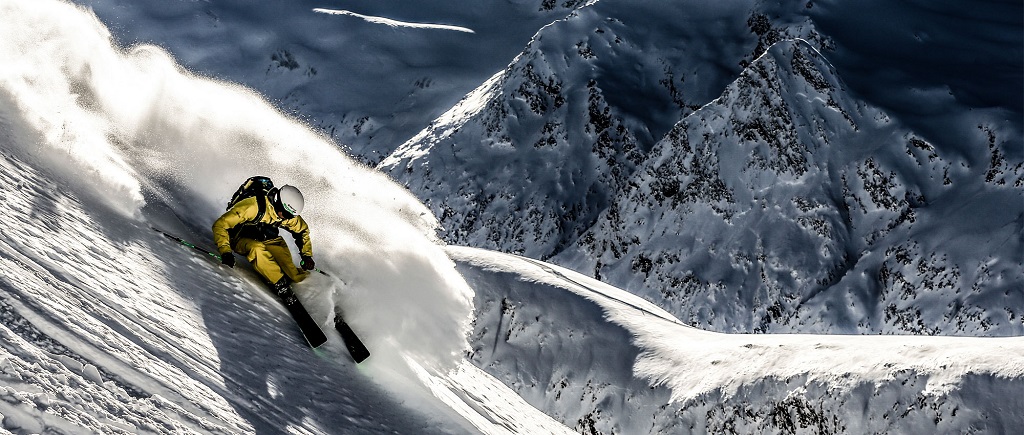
(527, 161)
(603, 361)
(784, 205)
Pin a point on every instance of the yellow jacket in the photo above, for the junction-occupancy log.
(245, 211)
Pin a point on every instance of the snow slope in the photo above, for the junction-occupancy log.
(109, 329)
(113, 328)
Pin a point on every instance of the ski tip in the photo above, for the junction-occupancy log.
(358, 352)
(355, 346)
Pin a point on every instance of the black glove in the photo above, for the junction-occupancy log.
(227, 259)
(307, 263)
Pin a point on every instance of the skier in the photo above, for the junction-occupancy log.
(250, 227)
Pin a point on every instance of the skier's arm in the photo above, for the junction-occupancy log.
(244, 211)
(297, 226)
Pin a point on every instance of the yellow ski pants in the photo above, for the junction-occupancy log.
(272, 259)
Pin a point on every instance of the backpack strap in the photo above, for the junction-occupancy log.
(261, 204)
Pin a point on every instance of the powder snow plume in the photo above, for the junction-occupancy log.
(135, 131)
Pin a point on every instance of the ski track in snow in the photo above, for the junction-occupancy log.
(394, 23)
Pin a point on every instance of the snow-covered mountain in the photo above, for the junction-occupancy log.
(109, 327)
(528, 160)
(790, 202)
(784, 205)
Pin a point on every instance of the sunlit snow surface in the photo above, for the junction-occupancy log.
(98, 145)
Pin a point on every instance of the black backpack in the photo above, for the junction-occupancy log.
(260, 187)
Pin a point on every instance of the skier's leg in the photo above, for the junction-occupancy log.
(283, 257)
(261, 258)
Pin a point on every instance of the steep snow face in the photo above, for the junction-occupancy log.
(107, 327)
(784, 205)
(527, 161)
(158, 145)
(587, 355)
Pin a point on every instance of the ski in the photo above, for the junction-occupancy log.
(355, 346)
(310, 329)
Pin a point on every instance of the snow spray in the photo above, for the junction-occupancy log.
(138, 129)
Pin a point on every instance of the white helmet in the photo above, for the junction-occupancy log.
(289, 200)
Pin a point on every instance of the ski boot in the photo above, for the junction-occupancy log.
(283, 290)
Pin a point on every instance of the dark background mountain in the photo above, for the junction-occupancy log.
(754, 166)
